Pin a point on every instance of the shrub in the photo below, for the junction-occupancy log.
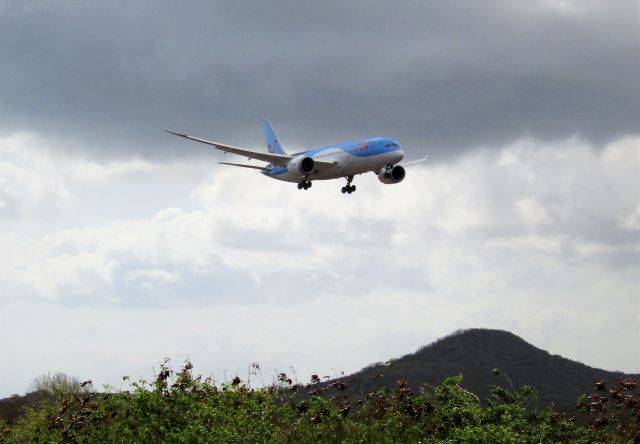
(179, 407)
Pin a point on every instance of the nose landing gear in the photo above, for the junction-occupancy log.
(305, 184)
(349, 188)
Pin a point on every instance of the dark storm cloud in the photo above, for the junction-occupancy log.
(439, 77)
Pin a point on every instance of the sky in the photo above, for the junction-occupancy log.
(121, 245)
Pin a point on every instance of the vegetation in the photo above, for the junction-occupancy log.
(181, 407)
(475, 352)
(59, 386)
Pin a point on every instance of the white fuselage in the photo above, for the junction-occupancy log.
(348, 159)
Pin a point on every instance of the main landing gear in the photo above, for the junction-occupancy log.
(305, 184)
(349, 188)
(387, 171)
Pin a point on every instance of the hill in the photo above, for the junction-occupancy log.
(11, 407)
(471, 353)
(474, 353)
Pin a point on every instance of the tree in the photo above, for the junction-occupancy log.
(60, 386)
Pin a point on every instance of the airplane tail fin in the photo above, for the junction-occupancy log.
(273, 144)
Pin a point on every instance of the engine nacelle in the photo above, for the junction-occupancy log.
(391, 174)
(303, 165)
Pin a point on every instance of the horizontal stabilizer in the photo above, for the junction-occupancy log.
(255, 167)
(415, 162)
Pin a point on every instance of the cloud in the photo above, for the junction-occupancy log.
(25, 182)
(631, 221)
(120, 244)
(35, 178)
(146, 278)
(534, 237)
(439, 77)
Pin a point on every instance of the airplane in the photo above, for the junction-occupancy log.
(380, 155)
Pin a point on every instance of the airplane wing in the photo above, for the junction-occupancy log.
(414, 162)
(255, 167)
(275, 159)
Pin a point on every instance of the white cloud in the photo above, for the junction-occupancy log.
(25, 179)
(533, 238)
(38, 180)
(631, 221)
(149, 278)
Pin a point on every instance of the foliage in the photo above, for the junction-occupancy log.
(180, 408)
(59, 386)
(618, 407)
(11, 407)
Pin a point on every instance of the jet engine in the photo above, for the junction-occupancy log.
(304, 165)
(391, 174)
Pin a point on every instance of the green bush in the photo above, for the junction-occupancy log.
(183, 408)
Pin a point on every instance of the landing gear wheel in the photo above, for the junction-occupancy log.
(305, 184)
(349, 188)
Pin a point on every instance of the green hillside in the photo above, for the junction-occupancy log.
(183, 407)
(474, 353)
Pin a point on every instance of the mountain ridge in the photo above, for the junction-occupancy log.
(475, 353)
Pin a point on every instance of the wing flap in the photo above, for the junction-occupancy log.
(276, 159)
(272, 158)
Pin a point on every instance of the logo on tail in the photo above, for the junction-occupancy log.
(271, 139)
(272, 146)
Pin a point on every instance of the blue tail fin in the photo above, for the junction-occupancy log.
(273, 144)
